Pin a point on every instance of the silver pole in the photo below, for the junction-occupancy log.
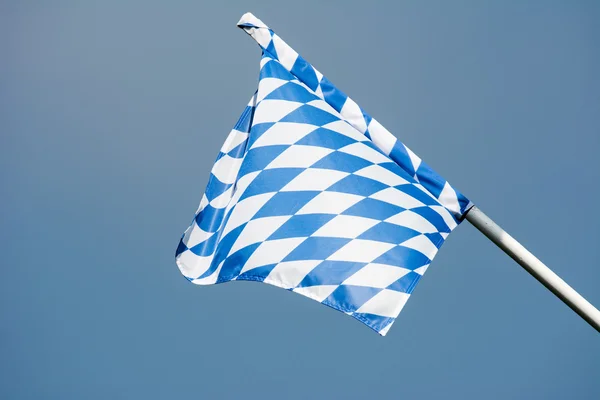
(534, 266)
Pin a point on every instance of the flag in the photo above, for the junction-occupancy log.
(311, 194)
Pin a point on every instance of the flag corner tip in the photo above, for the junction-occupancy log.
(245, 19)
(249, 20)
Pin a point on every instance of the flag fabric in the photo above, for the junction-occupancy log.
(311, 194)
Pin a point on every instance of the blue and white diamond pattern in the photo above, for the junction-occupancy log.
(310, 194)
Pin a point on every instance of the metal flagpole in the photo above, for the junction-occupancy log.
(534, 266)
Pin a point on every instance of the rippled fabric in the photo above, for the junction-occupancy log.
(311, 194)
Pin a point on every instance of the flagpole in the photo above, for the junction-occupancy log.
(534, 266)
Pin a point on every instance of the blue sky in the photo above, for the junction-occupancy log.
(112, 113)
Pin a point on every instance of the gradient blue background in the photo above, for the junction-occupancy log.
(112, 113)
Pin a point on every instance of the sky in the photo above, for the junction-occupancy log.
(112, 114)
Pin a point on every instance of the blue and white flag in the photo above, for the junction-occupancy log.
(311, 194)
